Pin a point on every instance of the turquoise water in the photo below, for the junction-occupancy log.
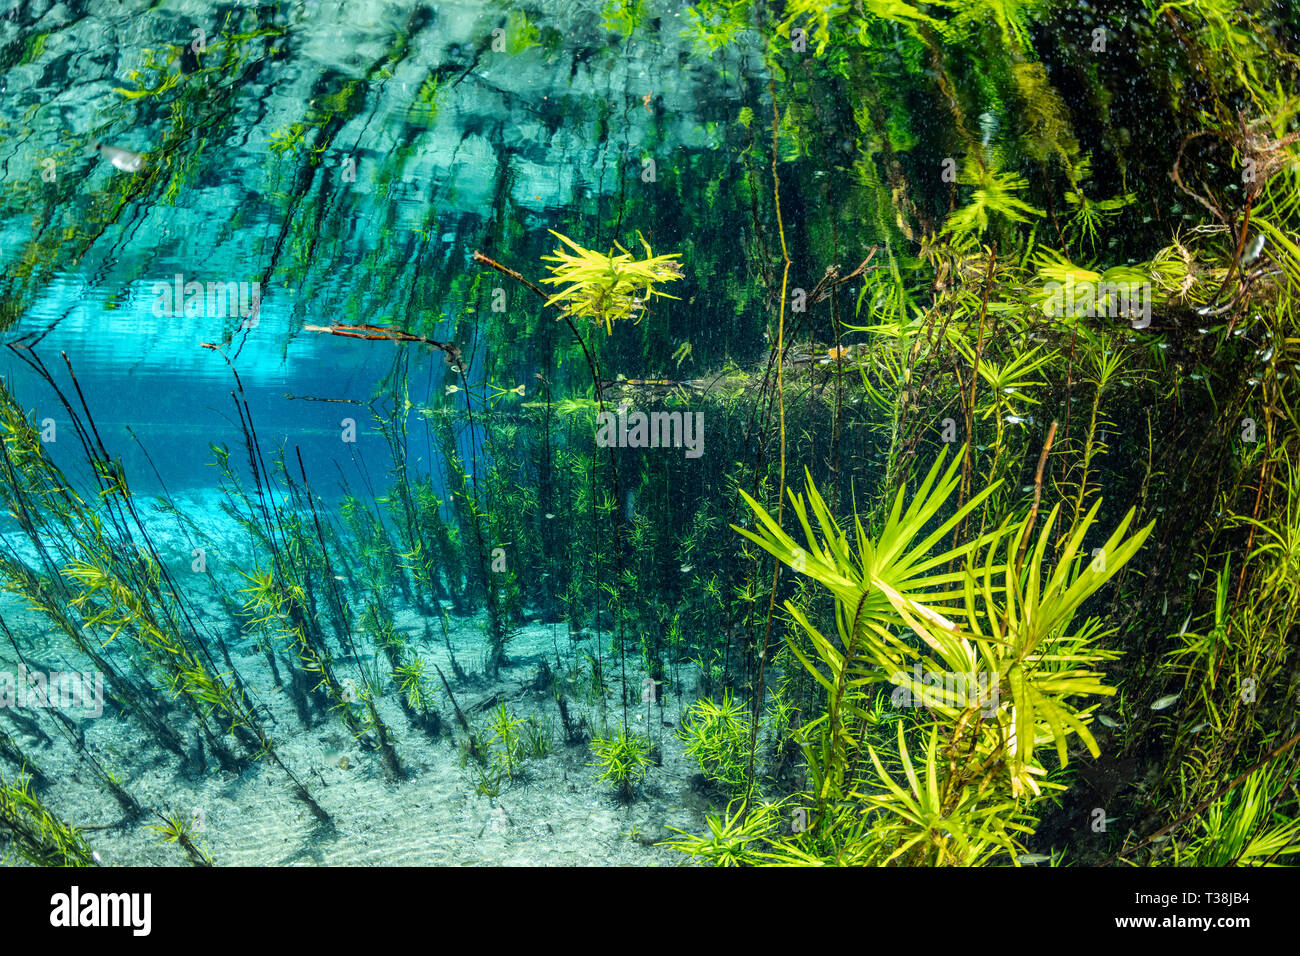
(348, 540)
(549, 136)
(341, 163)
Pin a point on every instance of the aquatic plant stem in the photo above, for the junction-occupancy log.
(381, 731)
(967, 464)
(780, 400)
(1038, 493)
(613, 463)
(1250, 539)
(78, 742)
(460, 716)
(1275, 752)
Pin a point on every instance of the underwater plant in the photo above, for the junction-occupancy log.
(34, 833)
(413, 685)
(536, 736)
(999, 626)
(993, 194)
(737, 837)
(1241, 828)
(608, 288)
(624, 759)
(506, 745)
(179, 828)
(717, 735)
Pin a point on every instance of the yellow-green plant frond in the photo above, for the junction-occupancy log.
(608, 288)
(993, 194)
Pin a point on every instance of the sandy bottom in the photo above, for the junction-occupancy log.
(554, 813)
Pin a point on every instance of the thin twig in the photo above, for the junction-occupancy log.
(780, 398)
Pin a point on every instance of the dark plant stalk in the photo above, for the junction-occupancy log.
(613, 463)
(967, 466)
(381, 731)
(780, 491)
(78, 743)
(460, 715)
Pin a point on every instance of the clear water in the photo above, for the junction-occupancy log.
(349, 159)
(354, 163)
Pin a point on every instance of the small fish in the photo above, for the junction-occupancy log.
(123, 159)
(1165, 701)
(687, 568)
(1107, 721)
(339, 577)
(1032, 859)
(1199, 727)
(1252, 253)
(1020, 419)
(549, 515)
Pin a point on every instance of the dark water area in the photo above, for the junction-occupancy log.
(645, 433)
